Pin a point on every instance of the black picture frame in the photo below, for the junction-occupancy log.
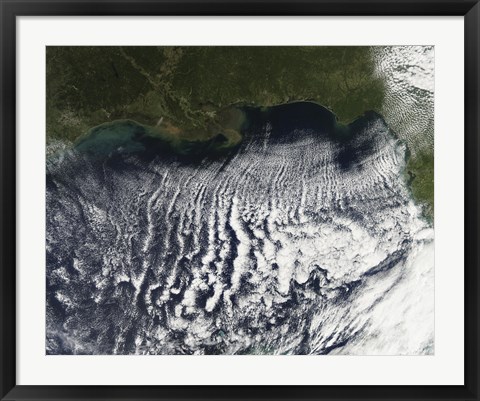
(11, 9)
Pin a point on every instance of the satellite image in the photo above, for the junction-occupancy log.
(240, 200)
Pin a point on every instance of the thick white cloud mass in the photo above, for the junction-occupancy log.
(297, 243)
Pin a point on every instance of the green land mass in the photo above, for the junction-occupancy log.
(192, 93)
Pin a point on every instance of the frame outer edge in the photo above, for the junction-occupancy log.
(472, 173)
(7, 200)
(242, 7)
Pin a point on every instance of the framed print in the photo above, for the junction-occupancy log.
(205, 200)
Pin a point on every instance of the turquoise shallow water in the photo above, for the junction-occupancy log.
(122, 135)
(128, 136)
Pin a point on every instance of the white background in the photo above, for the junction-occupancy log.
(445, 367)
